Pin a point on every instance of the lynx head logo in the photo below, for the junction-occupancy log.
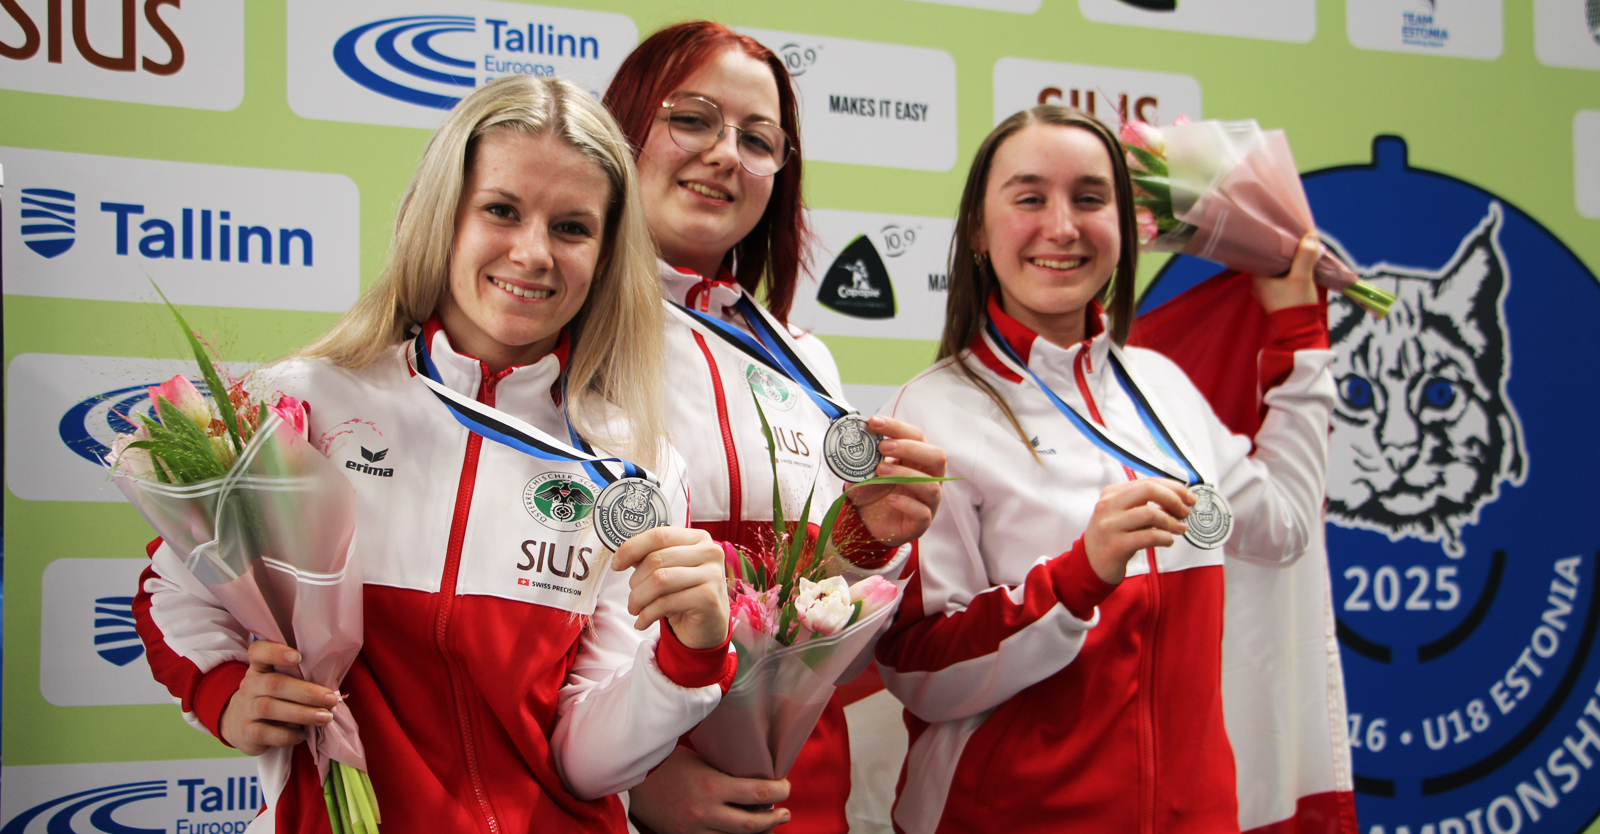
(1423, 431)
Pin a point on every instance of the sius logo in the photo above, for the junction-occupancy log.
(127, 61)
(400, 58)
(857, 284)
(53, 205)
(114, 637)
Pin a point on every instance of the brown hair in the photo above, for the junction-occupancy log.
(971, 283)
(775, 251)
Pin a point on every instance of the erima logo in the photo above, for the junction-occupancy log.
(1035, 444)
(401, 57)
(114, 637)
(57, 208)
(857, 284)
(372, 458)
(104, 800)
(1153, 5)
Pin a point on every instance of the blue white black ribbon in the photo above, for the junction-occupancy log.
(1162, 437)
(494, 424)
(769, 346)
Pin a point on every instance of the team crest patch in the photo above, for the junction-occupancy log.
(560, 501)
(773, 389)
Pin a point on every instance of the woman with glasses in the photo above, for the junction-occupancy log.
(712, 116)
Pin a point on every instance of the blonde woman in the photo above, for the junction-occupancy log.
(511, 679)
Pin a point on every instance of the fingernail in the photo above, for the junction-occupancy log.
(888, 447)
(294, 656)
(330, 700)
(876, 422)
(324, 717)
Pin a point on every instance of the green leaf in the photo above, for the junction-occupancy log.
(1152, 164)
(778, 527)
(219, 392)
(1159, 188)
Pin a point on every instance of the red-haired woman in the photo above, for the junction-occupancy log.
(712, 117)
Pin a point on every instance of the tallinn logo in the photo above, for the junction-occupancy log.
(57, 209)
(857, 284)
(371, 466)
(114, 637)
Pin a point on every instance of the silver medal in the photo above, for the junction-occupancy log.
(1210, 519)
(851, 450)
(627, 508)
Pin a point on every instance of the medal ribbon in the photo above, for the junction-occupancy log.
(494, 424)
(769, 346)
(1100, 439)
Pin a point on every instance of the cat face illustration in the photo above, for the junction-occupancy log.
(1423, 430)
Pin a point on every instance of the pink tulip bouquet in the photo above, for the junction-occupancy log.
(800, 628)
(264, 522)
(1230, 192)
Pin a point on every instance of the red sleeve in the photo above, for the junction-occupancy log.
(1293, 328)
(694, 668)
(205, 695)
(855, 541)
(1078, 587)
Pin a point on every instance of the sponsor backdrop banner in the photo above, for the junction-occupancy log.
(249, 158)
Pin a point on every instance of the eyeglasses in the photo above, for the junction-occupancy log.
(696, 125)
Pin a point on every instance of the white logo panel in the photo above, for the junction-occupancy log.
(911, 250)
(62, 412)
(1274, 20)
(406, 62)
(1566, 33)
(186, 796)
(89, 654)
(1457, 28)
(871, 103)
(161, 52)
(1111, 94)
(1585, 162)
(101, 227)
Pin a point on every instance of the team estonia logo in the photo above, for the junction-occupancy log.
(627, 508)
(772, 388)
(48, 214)
(850, 449)
(398, 58)
(559, 501)
(1462, 560)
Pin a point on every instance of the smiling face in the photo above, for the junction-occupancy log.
(528, 238)
(1050, 227)
(699, 205)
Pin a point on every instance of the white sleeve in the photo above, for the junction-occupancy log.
(187, 633)
(619, 715)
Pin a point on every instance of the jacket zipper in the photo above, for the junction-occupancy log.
(735, 489)
(1147, 721)
(447, 596)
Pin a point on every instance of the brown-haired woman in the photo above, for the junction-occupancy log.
(1058, 672)
(712, 115)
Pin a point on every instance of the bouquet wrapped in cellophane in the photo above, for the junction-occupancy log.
(798, 626)
(265, 523)
(1229, 192)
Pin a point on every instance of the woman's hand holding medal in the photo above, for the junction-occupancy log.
(1131, 517)
(678, 577)
(897, 513)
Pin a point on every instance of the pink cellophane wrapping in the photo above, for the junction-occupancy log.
(272, 542)
(1253, 212)
(777, 696)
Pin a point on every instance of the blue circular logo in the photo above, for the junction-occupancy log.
(398, 58)
(89, 427)
(1461, 551)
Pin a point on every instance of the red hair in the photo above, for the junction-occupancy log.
(774, 252)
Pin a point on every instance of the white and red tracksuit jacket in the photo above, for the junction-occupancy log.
(484, 703)
(713, 422)
(1038, 697)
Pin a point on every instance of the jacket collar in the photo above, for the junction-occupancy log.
(463, 373)
(1037, 352)
(714, 296)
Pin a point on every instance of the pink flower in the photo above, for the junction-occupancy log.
(293, 412)
(190, 402)
(1142, 135)
(758, 610)
(1146, 220)
(824, 607)
(874, 593)
(1181, 120)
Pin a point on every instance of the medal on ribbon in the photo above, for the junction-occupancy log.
(849, 448)
(630, 503)
(1210, 520)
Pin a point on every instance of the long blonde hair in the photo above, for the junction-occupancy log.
(616, 336)
(972, 282)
